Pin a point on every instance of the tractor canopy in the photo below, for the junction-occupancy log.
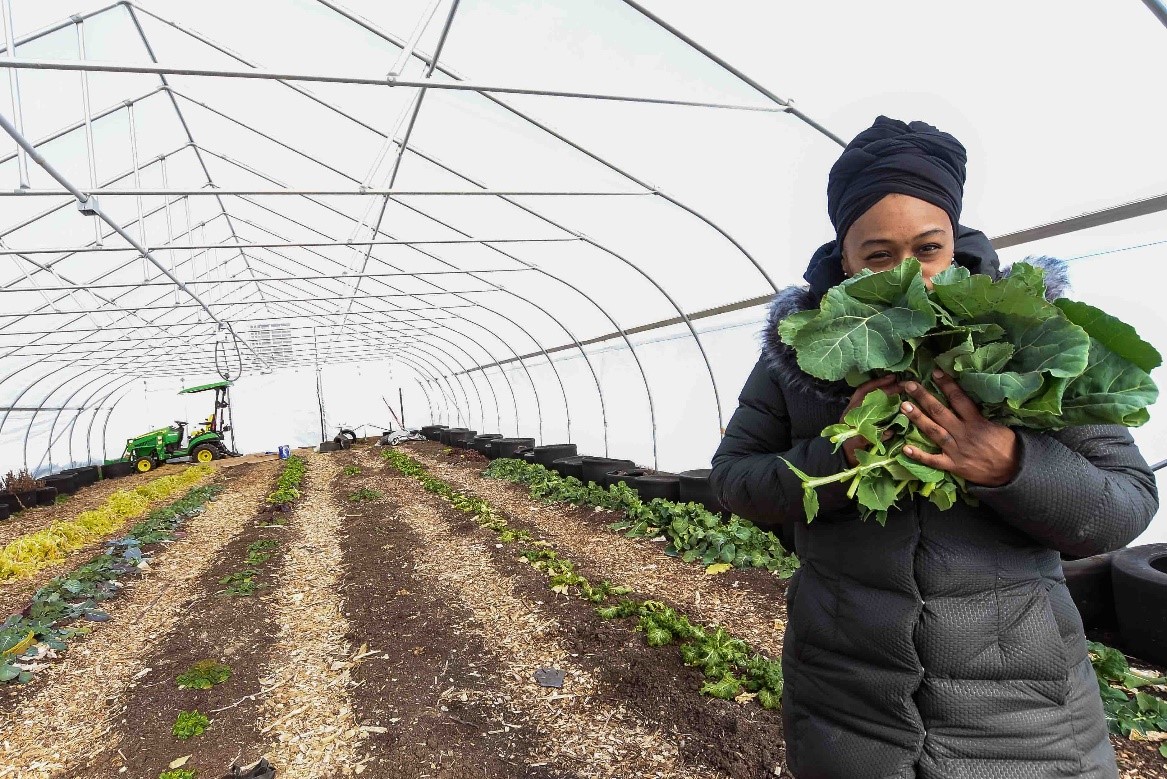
(205, 387)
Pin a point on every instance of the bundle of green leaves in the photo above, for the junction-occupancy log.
(1026, 361)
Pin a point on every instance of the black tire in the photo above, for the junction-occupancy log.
(622, 475)
(460, 439)
(342, 442)
(5, 512)
(431, 431)
(568, 466)
(64, 483)
(1139, 575)
(46, 496)
(545, 455)
(145, 464)
(1089, 582)
(657, 485)
(526, 455)
(695, 488)
(203, 451)
(349, 434)
(593, 468)
(481, 442)
(117, 470)
(509, 447)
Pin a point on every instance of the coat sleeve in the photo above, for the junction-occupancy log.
(1083, 490)
(748, 473)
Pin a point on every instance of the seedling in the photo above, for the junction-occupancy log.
(178, 773)
(242, 583)
(204, 675)
(365, 495)
(351, 470)
(257, 552)
(190, 724)
(61, 498)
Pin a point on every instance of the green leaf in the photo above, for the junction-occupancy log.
(977, 299)
(810, 503)
(920, 471)
(1113, 333)
(1110, 391)
(899, 287)
(1001, 387)
(789, 328)
(877, 492)
(870, 417)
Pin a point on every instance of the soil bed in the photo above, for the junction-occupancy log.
(233, 630)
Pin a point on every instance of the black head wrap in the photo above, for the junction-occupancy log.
(909, 159)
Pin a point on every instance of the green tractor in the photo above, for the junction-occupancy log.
(204, 445)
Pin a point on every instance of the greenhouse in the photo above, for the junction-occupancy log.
(370, 377)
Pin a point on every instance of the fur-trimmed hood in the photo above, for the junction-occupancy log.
(783, 361)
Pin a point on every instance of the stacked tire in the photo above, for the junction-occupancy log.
(1139, 578)
(480, 443)
(431, 431)
(508, 447)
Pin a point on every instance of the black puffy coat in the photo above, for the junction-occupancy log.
(946, 643)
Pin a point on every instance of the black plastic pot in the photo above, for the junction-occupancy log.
(568, 466)
(65, 483)
(480, 442)
(1089, 582)
(593, 468)
(117, 470)
(444, 435)
(1139, 574)
(657, 485)
(46, 496)
(508, 447)
(527, 455)
(549, 453)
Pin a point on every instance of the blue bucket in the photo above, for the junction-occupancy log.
(285, 452)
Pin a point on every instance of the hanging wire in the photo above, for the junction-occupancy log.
(222, 358)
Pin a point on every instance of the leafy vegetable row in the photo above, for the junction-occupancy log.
(694, 533)
(732, 669)
(49, 621)
(1025, 361)
(22, 557)
(287, 489)
(1130, 710)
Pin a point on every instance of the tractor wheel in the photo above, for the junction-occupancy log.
(144, 464)
(204, 453)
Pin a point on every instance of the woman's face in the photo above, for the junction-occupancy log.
(896, 228)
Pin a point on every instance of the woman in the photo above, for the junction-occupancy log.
(946, 643)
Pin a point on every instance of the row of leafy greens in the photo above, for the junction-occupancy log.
(1026, 361)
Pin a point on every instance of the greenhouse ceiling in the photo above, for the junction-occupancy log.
(476, 191)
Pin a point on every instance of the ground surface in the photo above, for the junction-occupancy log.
(396, 638)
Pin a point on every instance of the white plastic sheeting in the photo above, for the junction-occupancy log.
(556, 306)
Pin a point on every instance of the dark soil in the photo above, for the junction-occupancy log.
(423, 652)
(742, 740)
(232, 630)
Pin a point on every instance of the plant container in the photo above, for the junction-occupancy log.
(526, 455)
(329, 446)
(1139, 577)
(431, 431)
(545, 455)
(460, 439)
(46, 496)
(18, 501)
(85, 475)
(5, 512)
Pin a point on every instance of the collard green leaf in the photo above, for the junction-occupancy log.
(951, 275)
(870, 418)
(1054, 345)
(978, 299)
(1111, 332)
(924, 473)
(789, 327)
(989, 358)
(1031, 276)
(1001, 387)
(878, 492)
(899, 287)
(850, 335)
(1112, 390)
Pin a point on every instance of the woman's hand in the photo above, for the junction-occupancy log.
(888, 384)
(972, 447)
